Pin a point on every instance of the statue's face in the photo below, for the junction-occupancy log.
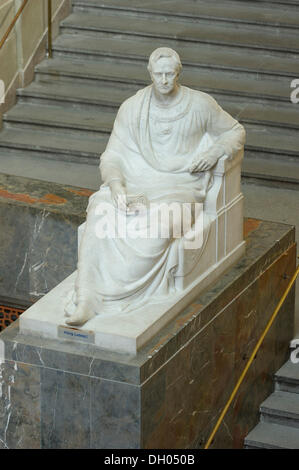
(164, 75)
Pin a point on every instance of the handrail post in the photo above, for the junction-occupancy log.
(50, 54)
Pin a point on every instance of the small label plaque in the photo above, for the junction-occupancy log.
(74, 334)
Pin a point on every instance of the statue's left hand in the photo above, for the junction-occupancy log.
(205, 161)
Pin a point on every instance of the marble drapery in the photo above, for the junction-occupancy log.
(150, 149)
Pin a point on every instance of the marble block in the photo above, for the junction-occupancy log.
(74, 395)
(119, 332)
(38, 236)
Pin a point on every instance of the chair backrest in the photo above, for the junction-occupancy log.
(226, 184)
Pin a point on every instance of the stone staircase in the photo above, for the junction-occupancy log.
(279, 422)
(244, 53)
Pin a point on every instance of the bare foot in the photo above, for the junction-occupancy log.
(83, 313)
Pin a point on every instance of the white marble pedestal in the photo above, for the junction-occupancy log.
(120, 332)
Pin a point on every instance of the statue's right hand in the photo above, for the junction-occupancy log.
(118, 194)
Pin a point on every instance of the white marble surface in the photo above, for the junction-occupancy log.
(121, 332)
(169, 145)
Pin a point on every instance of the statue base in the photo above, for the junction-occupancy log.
(116, 331)
(71, 394)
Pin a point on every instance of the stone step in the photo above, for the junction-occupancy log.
(45, 166)
(219, 82)
(52, 146)
(281, 408)
(199, 32)
(278, 2)
(272, 436)
(282, 2)
(275, 115)
(269, 140)
(110, 97)
(60, 120)
(57, 133)
(81, 175)
(208, 56)
(257, 13)
(267, 171)
(287, 378)
(102, 97)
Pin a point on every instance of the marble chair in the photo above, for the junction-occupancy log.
(223, 243)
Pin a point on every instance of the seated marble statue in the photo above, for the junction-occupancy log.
(157, 150)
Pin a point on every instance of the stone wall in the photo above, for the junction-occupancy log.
(64, 394)
(27, 42)
(38, 240)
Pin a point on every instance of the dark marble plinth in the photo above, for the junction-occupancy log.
(73, 395)
(38, 236)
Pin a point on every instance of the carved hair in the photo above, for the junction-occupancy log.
(164, 52)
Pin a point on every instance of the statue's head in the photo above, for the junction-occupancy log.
(164, 66)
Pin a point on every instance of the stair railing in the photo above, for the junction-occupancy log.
(250, 360)
(50, 53)
(11, 26)
(17, 16)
